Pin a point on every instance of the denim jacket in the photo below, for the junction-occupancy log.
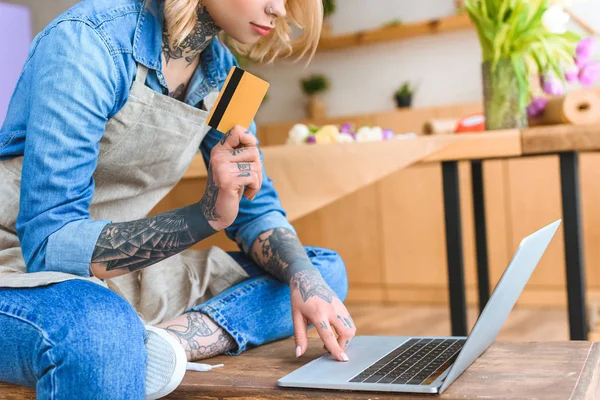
(76, 77)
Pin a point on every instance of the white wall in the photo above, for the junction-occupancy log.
(446, 67)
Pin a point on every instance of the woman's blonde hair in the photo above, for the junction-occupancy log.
(307, 15)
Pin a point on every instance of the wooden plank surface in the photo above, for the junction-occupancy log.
(560, 138)
(479, 146)
(523, 325)
(508, 370)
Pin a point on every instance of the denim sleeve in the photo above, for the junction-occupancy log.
(73, 92)
(262, 214)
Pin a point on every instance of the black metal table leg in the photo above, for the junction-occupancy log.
(454, 250)
(569, 174)
(483, 276)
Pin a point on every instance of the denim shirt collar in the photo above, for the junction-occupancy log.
(147, 50)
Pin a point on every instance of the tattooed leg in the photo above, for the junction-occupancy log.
(199, 335)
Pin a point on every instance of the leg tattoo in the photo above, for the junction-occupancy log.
(199, 335)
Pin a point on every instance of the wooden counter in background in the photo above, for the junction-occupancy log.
(391, 233)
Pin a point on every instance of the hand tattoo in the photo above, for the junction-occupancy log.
(235, 152)
(244, 174)
(311, 284)
(138, 244)
(209, 200)
(244, 166)
(346, 321)
(225, 137)
(323, 325)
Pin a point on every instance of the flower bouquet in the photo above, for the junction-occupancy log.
(345, 133)
(519, 39)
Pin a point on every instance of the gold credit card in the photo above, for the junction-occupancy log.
(238, 101)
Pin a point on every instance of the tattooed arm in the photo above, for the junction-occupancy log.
(282, 255)
(234, 167)
(128, 246)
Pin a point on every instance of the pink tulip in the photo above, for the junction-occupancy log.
(537, 107)
(552, 85)
(572, 74)
(346, 128)
(388, 134)
(585, 49)
(590, 73)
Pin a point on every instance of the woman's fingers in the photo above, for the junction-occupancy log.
(240, 167)
(300, 333)
(329, 339)
(248, 183)
(248, 154)
(237, 137)
(345, 330)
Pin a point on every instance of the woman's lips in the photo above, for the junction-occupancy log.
(261, 30)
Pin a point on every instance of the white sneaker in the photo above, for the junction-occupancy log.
(166, 363)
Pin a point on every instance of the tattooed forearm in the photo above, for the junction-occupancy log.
(200, 336)
(138, 244)
(209, 200)
(311, 284)
(195, 42)
(277, 250)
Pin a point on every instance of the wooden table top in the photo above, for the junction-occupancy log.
(469, 146)
(507, 370)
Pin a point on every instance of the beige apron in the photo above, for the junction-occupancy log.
(145, 150)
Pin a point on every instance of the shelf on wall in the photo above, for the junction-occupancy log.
(394, 32)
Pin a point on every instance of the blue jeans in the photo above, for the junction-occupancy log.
(79, 340)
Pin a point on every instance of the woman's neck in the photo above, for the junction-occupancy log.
(196, 42)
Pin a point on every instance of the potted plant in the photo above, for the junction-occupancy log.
(519, 38)
(329, 7)
(313, 86)
(404, 95)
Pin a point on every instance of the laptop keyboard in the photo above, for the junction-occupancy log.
(416, 362)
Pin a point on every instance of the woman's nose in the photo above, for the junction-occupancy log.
(278, 8)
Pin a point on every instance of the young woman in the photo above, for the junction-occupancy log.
(108, 113)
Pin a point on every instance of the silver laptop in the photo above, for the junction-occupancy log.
(425, 364)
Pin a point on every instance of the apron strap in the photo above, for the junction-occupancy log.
(141, 74)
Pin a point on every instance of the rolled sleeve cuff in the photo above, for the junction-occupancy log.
(247, 234)
(70, 249)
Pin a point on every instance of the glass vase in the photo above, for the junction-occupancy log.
(501, 97)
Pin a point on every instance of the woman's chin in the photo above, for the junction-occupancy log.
(247, 39)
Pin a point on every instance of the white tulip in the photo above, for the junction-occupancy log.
(366, 134)
(298, 134)
(555, 19)
(344, 138)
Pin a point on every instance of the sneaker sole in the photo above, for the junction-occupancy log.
(166, 363)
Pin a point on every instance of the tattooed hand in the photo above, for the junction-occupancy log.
(314, 302)
(234, 164)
